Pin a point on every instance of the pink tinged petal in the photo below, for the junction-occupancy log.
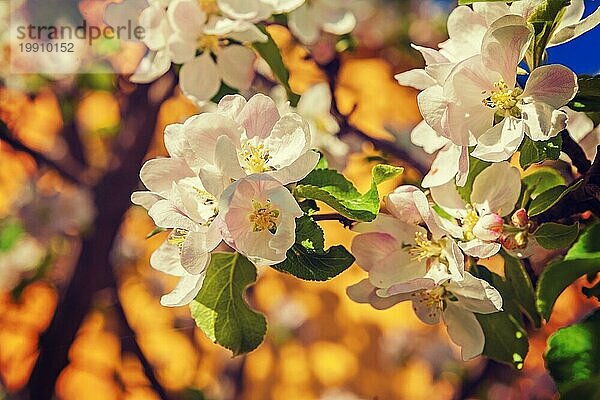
(254, 10)
(145, 199)
(186, 17)
(491, 11)
(467, 83)
(194, 253)
(570, 32)
(464, 330)
(167, 259)
(407, 288)
(245, 32)
(433, 106)
(496, 189)
(447, 197)
(402, 231)
(426, 137)
(185, 291)
(284, 237)
(364, 292)
(289, 138)
(501, 141)
(480, 249)
(226, 159)
(166, 215)
(444, 166)
(259, 116)
(236, 66)
(438, 272)
(401, 204)
(231, 106)
(416, 78)
(579, 124)
(431, 56)
(154, 21)
(429, 314)
(463, 167)
(476, 295)
(154, 65)
(456, 260)
(465, 29)
(181, 49)
(199, 78)
(385, 260)
(316, 101)
(504, 46)
(489, 227)
(543, 121)
(213, 234)
(203, 131)
(159, 174)
(175, 140)
(298, 169)
(555, 85)
(213, 180)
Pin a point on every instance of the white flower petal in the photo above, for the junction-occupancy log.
(159, 174)
(464, 330)
(303, 24)
(199, 78)
(551, 84)
(480, 249)
(501, 141)
(298, 169)
(185, 291)
(236, 66)
(194, 253)
(166, 259)
(542, 121)
(496, 189)
(154, 65)
(259, 116)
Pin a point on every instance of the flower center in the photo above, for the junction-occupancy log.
(209, 6)
(255, 158)
(264, 216)
(209, 43)
(211, 202)
(425, 248)
(433, 299)
(504, 99)
(469, 222)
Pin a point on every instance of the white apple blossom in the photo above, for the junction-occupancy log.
(248, 137)
(176, 30)
(582, 129)
(330, 16)
(258, 218)
(495, 193)
(454, 302)
(482, 90)
(395, 249)
(257, 10)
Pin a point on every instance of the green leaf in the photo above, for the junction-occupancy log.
(308, 260)
(588, 95)
(270, 52)
(505, 337)
(519, 282)
(219, 308)
(10, 232)
(550, 197)
(545, 18)
(155, 232)
(533, 152)
(582, 259)
(556, 236)
(588, 245)
(542, 179)
(573, 359)
(475, 167)
(333, 189)
(224, 90)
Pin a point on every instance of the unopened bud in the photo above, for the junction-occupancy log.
(520, 219)
(489, 227)
(508, 242)
(521, 239)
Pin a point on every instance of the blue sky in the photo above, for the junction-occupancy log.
(582, 55)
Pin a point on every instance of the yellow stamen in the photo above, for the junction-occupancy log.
(469, 222)
(255, 158)
(503, 99)
(264, 216)
(425, 248)
(209, 6)
(209, 43)
(177, 237)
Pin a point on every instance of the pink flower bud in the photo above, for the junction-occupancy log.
(508, 242)
(489, 227)
(520, 219)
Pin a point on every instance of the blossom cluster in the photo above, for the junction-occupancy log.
(414, 253)
(225, 182)
(212, 39)
(472, 101)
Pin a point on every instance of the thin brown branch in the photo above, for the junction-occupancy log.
(347, 129)
(347, 222)
(74, 173)
(571, 148)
